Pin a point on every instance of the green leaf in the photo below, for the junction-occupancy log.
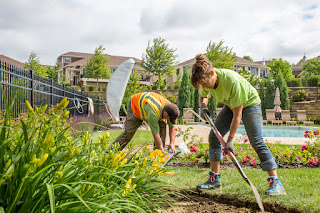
(51, 197)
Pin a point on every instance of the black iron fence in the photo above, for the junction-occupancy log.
(19, 85)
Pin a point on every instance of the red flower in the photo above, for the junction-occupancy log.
(244, 160)
(193, 149)
(249, 156)
(254, 162)
(304, 147)
(246, 140)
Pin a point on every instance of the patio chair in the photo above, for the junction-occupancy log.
(113, 119)
(302, 117)
(286, 118)
(187, 117)
(270, 113)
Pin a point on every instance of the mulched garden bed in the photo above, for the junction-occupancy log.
(204, 202)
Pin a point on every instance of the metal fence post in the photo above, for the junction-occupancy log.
(98, 112)
(51, 92)
(32, 89)
(74, 101)
(0, 87)
(64, 90)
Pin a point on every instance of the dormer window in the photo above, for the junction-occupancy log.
(67, 60)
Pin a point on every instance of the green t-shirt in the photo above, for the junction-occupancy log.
(233, 90)
(153, 119)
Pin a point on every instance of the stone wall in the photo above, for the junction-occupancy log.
(313, 92)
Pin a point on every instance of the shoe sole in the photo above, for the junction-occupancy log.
(275, 194)
(201, 190)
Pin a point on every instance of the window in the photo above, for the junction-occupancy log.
(254, 71)
(67, 60)
(238, 68)
(263, 73)
(178, 71)
(112, 70)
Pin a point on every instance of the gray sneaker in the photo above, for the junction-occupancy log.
(275, 187)
(213, 182)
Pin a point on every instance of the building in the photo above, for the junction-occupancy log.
(12, 62)
(297, 69)
(71, 69)
(255, 68)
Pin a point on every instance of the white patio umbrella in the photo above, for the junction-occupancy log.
(277, 102)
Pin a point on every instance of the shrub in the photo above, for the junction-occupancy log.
(185, 96)
(295, 82)
(313, 80)
(91, 88)
(83, 88)
(99, 89)
(176, 86)
(77, 88)
(44, 169)
(104, 89)
(171, 98)
(148, 87)
(154, 87)
(169, 87)
(299, 95)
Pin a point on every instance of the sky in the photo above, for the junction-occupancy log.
(287, 29)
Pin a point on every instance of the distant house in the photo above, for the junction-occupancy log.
(297, 69)
(255, 68)
(12, 62)
(71, 69)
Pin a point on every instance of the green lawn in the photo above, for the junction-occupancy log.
(142, 137)
(302, 185)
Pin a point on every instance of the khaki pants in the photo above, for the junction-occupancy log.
(131, 125)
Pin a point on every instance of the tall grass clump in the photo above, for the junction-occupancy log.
(44, 169)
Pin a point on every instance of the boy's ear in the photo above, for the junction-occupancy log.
(211, 72)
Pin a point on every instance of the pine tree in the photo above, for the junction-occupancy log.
(196, 101)
(284, 97)
(270, 92)
(185, 96)
(262, 97)
(212, 104)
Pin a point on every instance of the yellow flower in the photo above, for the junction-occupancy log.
(60, 105)
(129, 183)
(107, 135)
(123, 162)
(52, 149)
(83, 188)
(169, 173)
(66, 114)
(116, 158)
(145, 160)
(59, 174)
(34, 159)
(60, 168)
(42, 160)
(6, 166)
(155, 153)
(29, 106)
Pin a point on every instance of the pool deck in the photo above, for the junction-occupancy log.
(203, 131)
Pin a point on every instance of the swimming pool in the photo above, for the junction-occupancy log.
(281, 131)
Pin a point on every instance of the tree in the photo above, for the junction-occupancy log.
(212, 104)
(185, 96)
(97, 67)
(311, 70)
(159, 59)
(269, 97)
(284, 97)
(279, 65)
(196, 101)
(51, 73)
(262, 96)
(247, 57)
(220, 56)
(34, 64)
(177, 83)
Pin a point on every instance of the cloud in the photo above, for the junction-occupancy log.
(270, 29)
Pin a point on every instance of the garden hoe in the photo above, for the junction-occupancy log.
(234, 160)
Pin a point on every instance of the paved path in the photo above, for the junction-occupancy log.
(203, 131)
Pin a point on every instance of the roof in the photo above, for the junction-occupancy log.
(114, 61)
(12, 61)
(239, 61)
(296, 70)
(248, 62)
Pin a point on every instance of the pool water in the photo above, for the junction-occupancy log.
(281, 131)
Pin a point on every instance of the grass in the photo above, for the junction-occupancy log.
(142, 137)
(301, 185)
